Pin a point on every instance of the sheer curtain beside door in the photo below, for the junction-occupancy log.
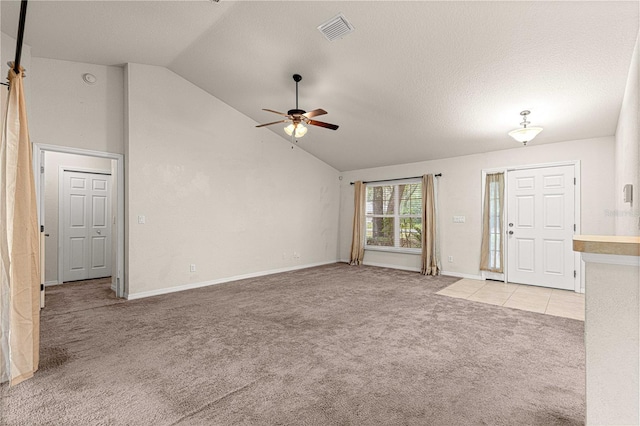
(492, 248)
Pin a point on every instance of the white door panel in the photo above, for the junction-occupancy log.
(540, 223)
(86, 231)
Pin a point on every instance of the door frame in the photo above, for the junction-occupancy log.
(577, 261)
(118, 279)
(61, 170)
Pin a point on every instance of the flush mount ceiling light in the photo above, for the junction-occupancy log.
(525, 134)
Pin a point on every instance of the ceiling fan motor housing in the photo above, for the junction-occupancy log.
(295, 112)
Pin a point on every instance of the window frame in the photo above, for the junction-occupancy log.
(397, 217)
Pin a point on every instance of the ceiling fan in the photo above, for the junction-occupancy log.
(299, 117)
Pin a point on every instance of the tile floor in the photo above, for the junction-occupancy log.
(561, 303)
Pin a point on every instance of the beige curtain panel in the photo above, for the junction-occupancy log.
(19, 243)
(492, 248)
(429, 261)
(357, 240)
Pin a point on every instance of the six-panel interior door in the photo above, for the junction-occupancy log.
(87, 226)
(540, 227)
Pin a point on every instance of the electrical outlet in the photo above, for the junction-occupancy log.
(458, 219)
(450, 259)
(192, 267)
(296, 255)
(141, 219)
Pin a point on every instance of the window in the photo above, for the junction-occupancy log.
(495, 227)
(393, 216)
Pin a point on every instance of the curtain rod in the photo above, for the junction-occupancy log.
(389, 180)
(23, 18)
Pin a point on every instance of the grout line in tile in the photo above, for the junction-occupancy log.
(512, 293)
(483, 286)
(548, 301)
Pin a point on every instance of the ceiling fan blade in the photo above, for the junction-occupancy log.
(275, 112)
(323, 124)
(269, 124)
(314, 113)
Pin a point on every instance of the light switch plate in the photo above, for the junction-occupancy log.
(141, 219)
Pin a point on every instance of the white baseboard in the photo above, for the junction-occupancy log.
(50, 283)
(384, 265)
(150, 293)
(461, 275)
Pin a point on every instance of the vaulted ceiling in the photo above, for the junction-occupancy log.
(415, 81)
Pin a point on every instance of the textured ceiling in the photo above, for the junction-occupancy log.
(415, 81)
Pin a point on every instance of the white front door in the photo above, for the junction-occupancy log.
(86, 230)
(540, 226)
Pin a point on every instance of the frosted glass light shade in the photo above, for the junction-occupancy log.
(525, 134)
(300, 130)
(289, 129)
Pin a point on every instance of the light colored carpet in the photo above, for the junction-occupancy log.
(333, 345)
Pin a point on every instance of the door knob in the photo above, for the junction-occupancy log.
(511, 224)
(510, 232)
(99, 232)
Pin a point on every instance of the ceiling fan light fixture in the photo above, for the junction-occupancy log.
(301, 130)
(525, 134)
(289, 129)
(298, 130)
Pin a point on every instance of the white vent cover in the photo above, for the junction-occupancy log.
(336, 27)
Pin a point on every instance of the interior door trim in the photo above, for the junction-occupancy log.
(118, 264)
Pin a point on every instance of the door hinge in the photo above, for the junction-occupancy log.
(574, 181)
(574, 227)
(574, 273)
(41, 228)
(41, 169)
(41, 287)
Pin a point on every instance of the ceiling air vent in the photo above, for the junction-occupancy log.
(336, 27)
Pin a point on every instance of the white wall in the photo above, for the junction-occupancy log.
(53, 162)
(628, 154)
(460, 194)
(66, 111)
(216, 191)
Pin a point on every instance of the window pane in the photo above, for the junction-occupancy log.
(410, 198)
(380, 231)
(380, 200)
(411, 232)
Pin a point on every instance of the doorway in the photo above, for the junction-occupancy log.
(109, 218)
(541, 215)
(541, 219)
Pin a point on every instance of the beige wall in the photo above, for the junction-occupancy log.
(628, 154)
(68, 112)
(53, 162)
(216, 191)
(460, 195)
